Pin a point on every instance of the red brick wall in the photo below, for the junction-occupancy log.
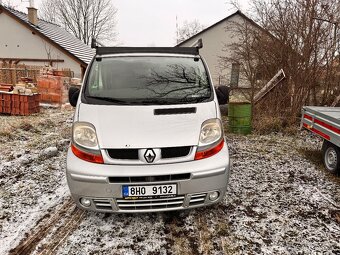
(53, 89)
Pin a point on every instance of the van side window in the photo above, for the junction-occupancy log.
(95, 79)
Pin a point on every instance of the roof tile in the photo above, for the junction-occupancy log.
(60, 36)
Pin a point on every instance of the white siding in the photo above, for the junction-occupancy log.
(17, 41)
(214, 41)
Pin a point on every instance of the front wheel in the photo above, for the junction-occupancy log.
(331, 156)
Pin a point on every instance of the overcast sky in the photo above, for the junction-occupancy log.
(153, 22)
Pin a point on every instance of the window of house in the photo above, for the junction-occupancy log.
(235, 75)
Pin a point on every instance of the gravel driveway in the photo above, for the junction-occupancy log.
(280, 200)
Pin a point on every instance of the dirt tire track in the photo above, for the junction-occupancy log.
(201, 238)
(45, 226)
(179, 239)
(61, 233)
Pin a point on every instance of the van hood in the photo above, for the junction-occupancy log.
(131, 126)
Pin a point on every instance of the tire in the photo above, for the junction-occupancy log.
(331, 157)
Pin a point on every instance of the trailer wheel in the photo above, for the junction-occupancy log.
(331, 156)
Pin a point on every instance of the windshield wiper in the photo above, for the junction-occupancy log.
(172, 101)
(110, 99)
(194, 99)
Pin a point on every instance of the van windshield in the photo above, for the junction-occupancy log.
(147, 80)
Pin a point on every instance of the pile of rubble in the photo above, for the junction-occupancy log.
(24, 98)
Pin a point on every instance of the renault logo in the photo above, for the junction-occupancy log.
(149, 155)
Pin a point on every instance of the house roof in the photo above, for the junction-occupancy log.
(224, 20)
(58, 36)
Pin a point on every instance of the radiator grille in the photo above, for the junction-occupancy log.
(161, 203)
(175, 152)
(156, 178)
(197, 199)
(166, 153)
(131, 154)
(149, 204)
(102, 204)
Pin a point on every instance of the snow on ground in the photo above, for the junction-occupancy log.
(279, 202)
(32, 166)
(280, 199)
(117, 234)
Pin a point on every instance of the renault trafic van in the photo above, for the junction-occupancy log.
(147, 133)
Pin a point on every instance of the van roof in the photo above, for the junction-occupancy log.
(173, 50)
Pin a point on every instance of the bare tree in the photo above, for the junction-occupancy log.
(293, 38)
(48, 10)
(9, 3)
(85, 19)
(188, 29)
(166, 81)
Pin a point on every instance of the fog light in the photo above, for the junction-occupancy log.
(85, 202)
(214, 195)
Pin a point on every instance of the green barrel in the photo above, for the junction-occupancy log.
(239, 117)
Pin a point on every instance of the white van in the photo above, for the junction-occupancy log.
(147, 133)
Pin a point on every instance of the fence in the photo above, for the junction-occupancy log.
(11, 73)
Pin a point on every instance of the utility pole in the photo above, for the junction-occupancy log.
(177, 32)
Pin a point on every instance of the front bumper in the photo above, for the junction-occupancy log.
(92, 181)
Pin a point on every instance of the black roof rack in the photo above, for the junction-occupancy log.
(117, 50)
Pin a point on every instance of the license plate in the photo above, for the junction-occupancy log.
(149, 191)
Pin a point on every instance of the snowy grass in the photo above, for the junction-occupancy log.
(31, 183)
(280, 199)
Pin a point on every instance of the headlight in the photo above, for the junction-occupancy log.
(211, 139)
(84, 135)
(211, 132)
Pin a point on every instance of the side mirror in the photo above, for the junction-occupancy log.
(73, 94)
(222, 93)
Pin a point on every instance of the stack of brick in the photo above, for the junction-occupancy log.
(16, 104)
(5, 102)
(6, 87)
(53, 89)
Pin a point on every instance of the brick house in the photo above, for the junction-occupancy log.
(26, 39)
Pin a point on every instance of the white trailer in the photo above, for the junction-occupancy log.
(325, 122)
